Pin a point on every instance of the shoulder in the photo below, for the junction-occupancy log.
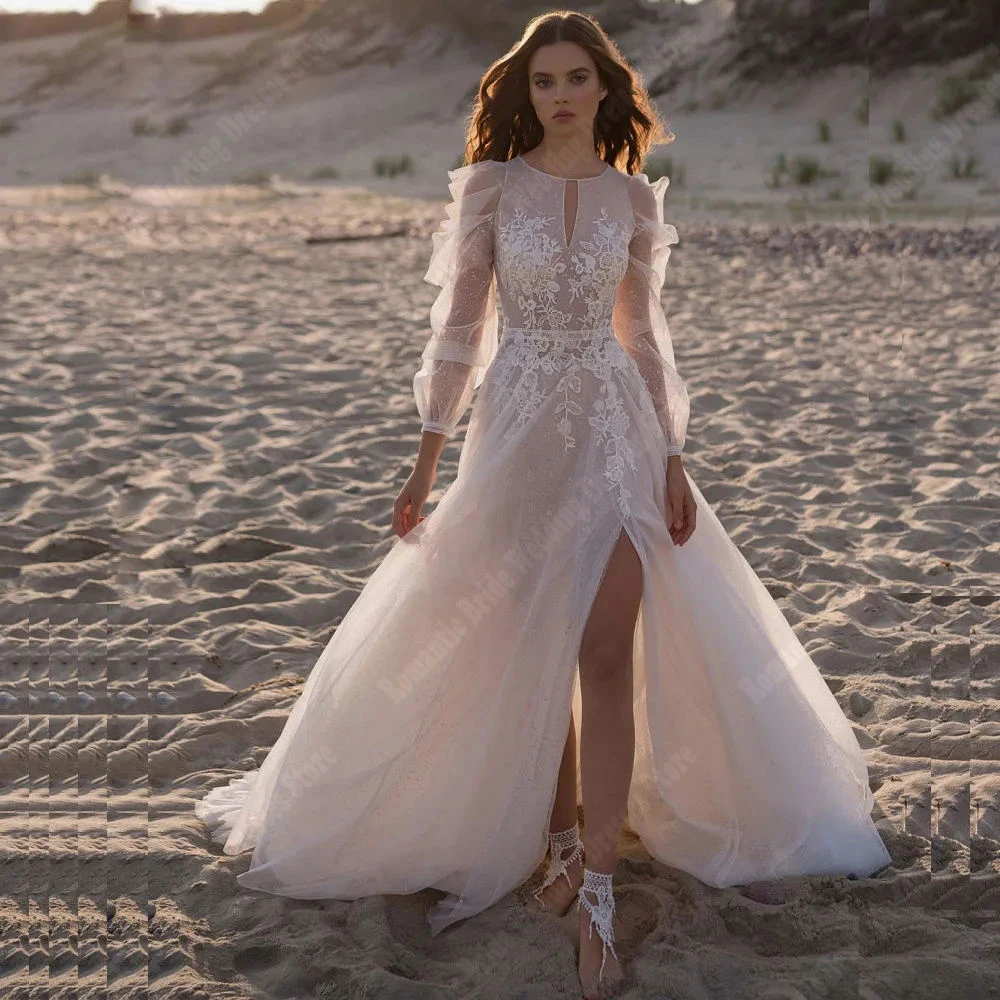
(645, 195)
(478, 175)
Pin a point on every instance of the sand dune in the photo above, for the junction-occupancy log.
(325, 91)
(206, 420)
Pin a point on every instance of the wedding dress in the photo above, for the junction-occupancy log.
(425, 746)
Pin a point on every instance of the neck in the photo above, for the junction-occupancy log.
(565, 156)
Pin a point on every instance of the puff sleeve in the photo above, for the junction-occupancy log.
(638, 318)
(463, 318)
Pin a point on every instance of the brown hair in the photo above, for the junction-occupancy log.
(503, 123)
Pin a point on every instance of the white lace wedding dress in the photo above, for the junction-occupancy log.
(425, 746)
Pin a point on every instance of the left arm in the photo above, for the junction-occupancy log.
(641, 327)
(638, 319)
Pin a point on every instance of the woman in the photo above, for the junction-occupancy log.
(434, 743)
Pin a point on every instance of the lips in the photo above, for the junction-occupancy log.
(564, 115)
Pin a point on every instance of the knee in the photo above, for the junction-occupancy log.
(605, 663)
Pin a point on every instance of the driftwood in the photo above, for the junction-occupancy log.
(347, 237)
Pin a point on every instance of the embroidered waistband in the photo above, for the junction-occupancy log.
(549, 331)
(565, 334)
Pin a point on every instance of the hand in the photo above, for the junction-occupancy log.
(681, 508)
(413, 495)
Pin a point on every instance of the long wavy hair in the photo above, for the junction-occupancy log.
(503, 123)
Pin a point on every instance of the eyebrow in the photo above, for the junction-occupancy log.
(577, 69)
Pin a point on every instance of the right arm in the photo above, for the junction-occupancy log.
(463, 322)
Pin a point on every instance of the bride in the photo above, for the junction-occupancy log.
(560, 583)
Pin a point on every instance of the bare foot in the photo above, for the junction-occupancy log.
(559, 897)
(593, 983)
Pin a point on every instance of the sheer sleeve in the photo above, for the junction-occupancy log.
(463, 318)
(638, 319)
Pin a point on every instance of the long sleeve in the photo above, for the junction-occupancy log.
(638, 318)
(463, 318)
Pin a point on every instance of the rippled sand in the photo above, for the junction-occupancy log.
(205, 424)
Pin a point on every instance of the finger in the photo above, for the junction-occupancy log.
(689, 527)
(677, 533)
(692, 518)
(686, 513)
(679, 513)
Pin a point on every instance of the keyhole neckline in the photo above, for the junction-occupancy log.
(556, 177)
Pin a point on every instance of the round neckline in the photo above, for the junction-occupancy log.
(556, 177)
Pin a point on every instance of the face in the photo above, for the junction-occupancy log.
(562, 77)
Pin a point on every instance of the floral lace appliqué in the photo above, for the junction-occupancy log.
(532, 262)
(524, 361)
(559, 350)
(537, 267)
(597, 268)
(568, 407)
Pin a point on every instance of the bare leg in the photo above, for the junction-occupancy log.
(558, 897)
(608, 738)
(564, 807)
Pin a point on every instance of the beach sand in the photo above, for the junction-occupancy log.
(206, 423)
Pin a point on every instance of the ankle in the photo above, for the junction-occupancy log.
(565, 835)
(596, 893)
(601, 862)
(566, 845)
(565, 860)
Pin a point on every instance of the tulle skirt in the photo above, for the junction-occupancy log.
(425, 746)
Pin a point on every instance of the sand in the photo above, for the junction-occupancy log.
(206, 421)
